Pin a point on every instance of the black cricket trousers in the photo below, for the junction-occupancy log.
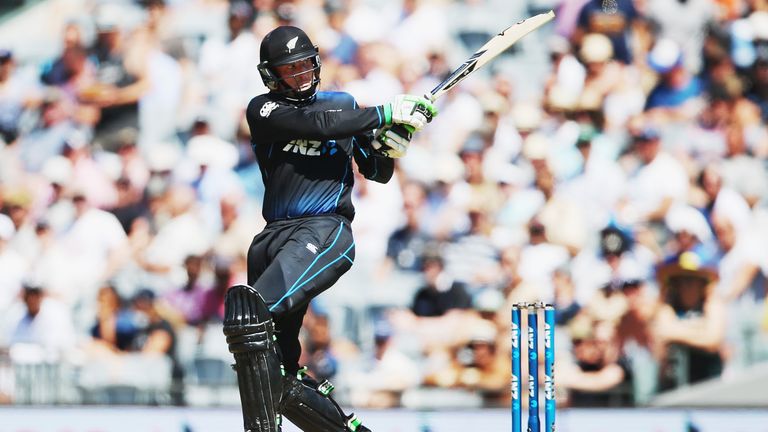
(292, 261)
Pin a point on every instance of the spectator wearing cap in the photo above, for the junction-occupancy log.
(228, 68)
(616, 24)
(657, 182)
(690, 324)
(603, 73)
(691, 233)
(677, 96)
(41, 322)
(618, 252)
(13, 266)
(156, 336)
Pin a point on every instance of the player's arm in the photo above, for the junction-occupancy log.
(277, 120)
(373, 165)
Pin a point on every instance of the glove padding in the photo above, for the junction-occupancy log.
(410, 110)
(392, 142)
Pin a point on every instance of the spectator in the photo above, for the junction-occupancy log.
(17, 93)
(115, 329)
(42, 322)
(407, 245)
(163, 256)
(677, 96)
(188, 301)
(722, 199)
(658, 181)
(227, 66)
(441, 293)
(317, 348)
(213, 303)
(597, 375)
(385, 373)
(13, 267)
(539, 259)
(96, 244)
(156, 336)
(742, 286)
(689, 326)
(476, 365)
(616, 23)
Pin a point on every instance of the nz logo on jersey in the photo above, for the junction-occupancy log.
(311, 147)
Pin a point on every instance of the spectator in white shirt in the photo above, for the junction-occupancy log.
(229, 68)
(658, 182)
(12, 265)
(40, 321)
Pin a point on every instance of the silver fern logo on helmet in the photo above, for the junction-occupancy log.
(292, 44)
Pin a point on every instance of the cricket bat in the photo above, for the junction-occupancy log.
(495, 46)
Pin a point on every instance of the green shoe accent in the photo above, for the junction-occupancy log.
(282, 370)
(301, 373)
(353, 423)
(325, 388)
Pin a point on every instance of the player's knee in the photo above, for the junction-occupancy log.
(247, 321)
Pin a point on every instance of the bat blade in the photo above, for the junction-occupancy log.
(495, 46)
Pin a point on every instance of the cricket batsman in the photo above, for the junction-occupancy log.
(304, 141)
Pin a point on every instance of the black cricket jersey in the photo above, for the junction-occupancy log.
(305, 153)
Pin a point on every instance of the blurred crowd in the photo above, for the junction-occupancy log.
(612, 163)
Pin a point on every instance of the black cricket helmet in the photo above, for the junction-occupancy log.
(282, 46)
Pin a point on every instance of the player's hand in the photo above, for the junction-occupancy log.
(410, 110)
(392, 142)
